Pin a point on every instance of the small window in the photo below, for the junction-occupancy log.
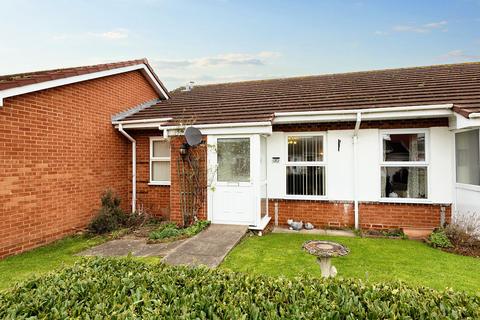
(404, 166)
(305, 168)
(159, 161)
(467, 151)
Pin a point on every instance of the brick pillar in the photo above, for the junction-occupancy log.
(200, 152)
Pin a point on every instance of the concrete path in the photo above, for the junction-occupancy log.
(208, 248)
(324, 232)
(136, 247)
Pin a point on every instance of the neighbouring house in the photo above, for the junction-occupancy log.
(381, 149)
(58, 149)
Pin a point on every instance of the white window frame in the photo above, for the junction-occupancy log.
(306, 163)
(158, 159)
(460, 185)
(425, 163)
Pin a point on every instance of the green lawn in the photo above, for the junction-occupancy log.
(44, 259)
(369, 259)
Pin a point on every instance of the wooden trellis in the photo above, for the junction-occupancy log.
(191, 186)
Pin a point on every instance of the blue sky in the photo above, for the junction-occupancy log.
(209, 41)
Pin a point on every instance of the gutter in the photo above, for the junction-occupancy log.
(474, 115)
(216, 126)
(134, 166)
(407, 112)
(355, 168)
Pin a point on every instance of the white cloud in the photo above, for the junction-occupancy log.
(228, 59)
(459, 55)
(115, 34)
(424, 28)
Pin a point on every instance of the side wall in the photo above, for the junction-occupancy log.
(160, 200)
(58, 153)
(336, 209)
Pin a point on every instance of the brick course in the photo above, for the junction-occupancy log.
(58, 153)
(373, 215)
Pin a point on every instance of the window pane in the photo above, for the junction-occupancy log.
(467, 157)
(161, 149)
(233, 159)
(160, 170)
(404, 147)
(404, 182)
(306, 180)
(305, 148)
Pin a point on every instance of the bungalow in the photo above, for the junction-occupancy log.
(381, 149)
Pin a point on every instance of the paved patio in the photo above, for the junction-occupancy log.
(208, 248)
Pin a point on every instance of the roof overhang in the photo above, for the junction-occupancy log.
(460, 122)
(390, 113)
(89, 76)
(264, 127)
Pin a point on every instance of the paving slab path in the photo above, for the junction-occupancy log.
(135, 247)
(207, 248)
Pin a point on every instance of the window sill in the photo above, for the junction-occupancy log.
(405, 200)
(466, 186)
(298, 197)
(159, 183)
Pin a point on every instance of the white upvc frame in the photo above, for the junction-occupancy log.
(322, 163)
(153, 159)
(466, 186)
(424, 163)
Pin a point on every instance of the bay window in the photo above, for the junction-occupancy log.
(404, 166)
(467, 155)
(159, 161)
(305, 165)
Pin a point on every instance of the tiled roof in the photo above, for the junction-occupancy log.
(250, 101)
(23, 79)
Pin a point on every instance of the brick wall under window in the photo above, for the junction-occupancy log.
(373, 215)
(58, 153)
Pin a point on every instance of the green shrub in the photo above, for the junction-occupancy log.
(110, 216)
(130, 289)
(171, 231)
(439, 239)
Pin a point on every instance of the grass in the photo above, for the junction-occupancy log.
(370, 259)
(44, 259)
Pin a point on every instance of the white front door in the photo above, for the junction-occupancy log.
(232, 195)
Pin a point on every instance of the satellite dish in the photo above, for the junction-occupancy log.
(193, 136)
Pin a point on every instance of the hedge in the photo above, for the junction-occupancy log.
(130, 289)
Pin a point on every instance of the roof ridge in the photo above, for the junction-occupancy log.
(334, 74)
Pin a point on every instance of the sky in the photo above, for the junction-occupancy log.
(212, 41)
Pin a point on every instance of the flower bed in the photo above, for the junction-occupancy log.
(171, 232)
(126, 288)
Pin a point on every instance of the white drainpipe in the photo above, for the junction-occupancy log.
(355, 167)
(134, 166)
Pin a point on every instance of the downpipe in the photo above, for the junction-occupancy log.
(134, 166)
(355, 168)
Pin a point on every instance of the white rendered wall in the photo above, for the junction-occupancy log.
(468, 199)
(339, 171)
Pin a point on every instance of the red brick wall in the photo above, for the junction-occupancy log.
(58, 153)
(384, 124)
(319, 213)
(373, 215)
(154, 200)
(398, 215)
(201, 153)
